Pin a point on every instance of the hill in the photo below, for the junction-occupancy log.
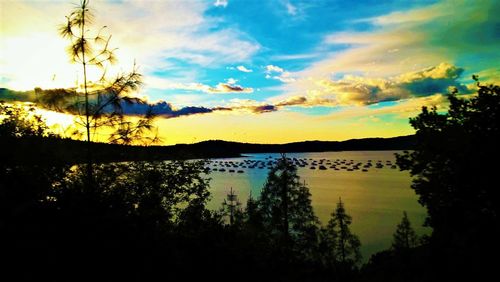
(22, 150)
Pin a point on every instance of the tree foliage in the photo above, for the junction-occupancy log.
(21, 121)
(286, 210)
(455, 177)
(99, 102)
(339, 246)
(451, 162)
(405, 237)
(231, 208)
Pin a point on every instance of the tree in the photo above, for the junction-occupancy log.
(404, 237)
(286, 210)
(156, 192)
(339, 247)
(24, 184)
(253, 217)
(21, 121)
(450, 164)
(100, 102)
(232, 208)
(455, 181)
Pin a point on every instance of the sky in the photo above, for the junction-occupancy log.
(272, 71)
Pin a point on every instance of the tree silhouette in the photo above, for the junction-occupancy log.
(100, 102)
(286, 210)
(454, 179)
(231, 207)
(21, 121)
(253, 217)
(405, 237)
(449, 162)
(338, 245)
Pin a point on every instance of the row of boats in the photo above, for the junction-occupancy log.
(313, 164)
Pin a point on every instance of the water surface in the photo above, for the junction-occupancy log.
(375, 199)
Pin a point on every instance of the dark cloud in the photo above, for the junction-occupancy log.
(293, 101)
(229, 88)
(350, 90)
(59, 100)
(264, 109)
(162, 108)
(361, 90)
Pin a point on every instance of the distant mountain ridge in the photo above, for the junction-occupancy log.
(73, 151)
(365, 144)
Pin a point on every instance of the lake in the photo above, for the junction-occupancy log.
(375, 198)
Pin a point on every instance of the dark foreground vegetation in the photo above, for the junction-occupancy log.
(142, 220)
(147, 220)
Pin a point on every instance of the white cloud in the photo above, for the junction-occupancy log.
(404, 108)
(290, 8)
(229, 87)
(152, 33)
(285, 77)
(221, 3)
(295, 56)
(275, 72)
(406, 54)
(243, 69)
(271, 68)
(363, 90)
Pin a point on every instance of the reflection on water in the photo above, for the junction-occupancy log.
(374, 195)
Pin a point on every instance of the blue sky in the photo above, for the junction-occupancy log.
(330, 63)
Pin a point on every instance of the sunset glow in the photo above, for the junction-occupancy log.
(267, 71)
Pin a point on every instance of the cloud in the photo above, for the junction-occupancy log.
(229, 88)
(271, 69)
(163, 109)
(290, 8)
(409, 90)
(243, 69)
(365, 90)
(296, 10)
(221, 3)
(275, 72)
(295, 56)
(41, 98)
(350, 90)
(402, 55)
(158, 35)
(231, 80)
(264, 109)
(293, 101)
(403, 108)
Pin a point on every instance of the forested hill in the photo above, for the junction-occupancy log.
(67, 150)
(367, 144)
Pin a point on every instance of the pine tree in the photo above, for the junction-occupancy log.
(100, 101)
(404, 237)
(286, 210)
(338, 245)
(232, 207)
(253, 217)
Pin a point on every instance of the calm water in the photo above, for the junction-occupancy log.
(375, 199)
